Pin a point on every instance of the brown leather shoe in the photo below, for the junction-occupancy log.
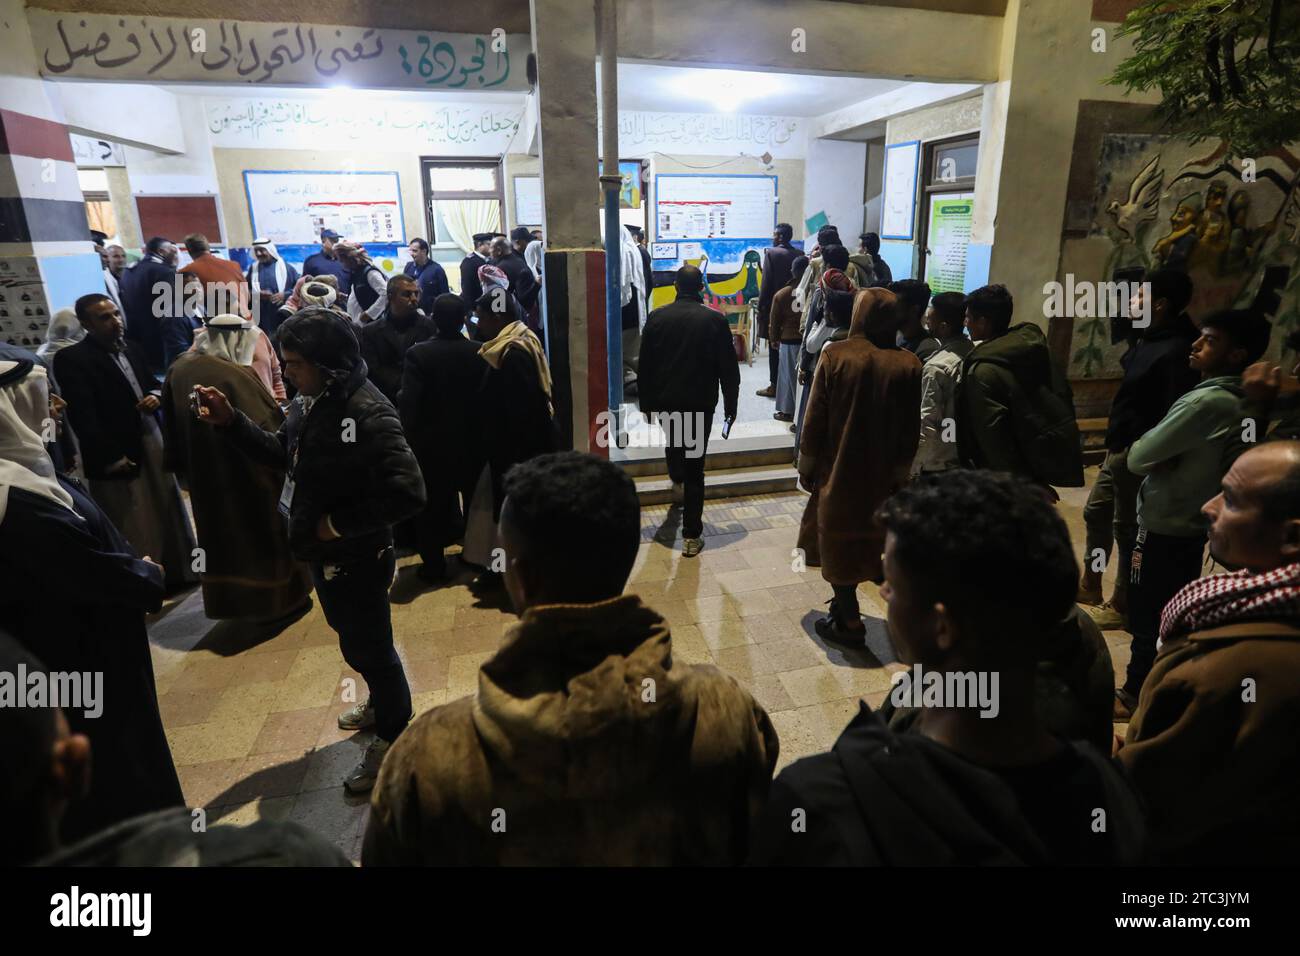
(769, 392)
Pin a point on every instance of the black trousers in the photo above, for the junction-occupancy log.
(1162, 565)
(687, 437)
(354, 596)
(773, 358)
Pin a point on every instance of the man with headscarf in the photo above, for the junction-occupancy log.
(471, 290)
(368, 295)
(247, 571)
(825, 319)
(270, 280)
(384, 342)
(63, 330)
(496, 297)
(350, 478)
(76, 594)
(517, 420)
(439, 405)
(856, 448)
(112, 402)
(523, 284)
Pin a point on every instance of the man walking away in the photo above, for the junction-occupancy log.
(350, 478)
(686, 356)
(440, 405)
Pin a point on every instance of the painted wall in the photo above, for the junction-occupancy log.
(836, 187)
(134, 113)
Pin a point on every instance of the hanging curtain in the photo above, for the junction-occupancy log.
(99, 215)
(465, 217)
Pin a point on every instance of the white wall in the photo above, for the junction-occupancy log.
(125, 112)
(834, 180)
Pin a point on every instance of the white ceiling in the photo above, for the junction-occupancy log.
(680, 89)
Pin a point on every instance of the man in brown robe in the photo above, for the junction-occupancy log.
(246, 571)
(859, 436)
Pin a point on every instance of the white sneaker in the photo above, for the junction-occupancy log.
(362, 777)
(679, 493)
(692, 546)
(360, 717)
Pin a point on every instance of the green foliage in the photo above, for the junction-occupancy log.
(1225, 69)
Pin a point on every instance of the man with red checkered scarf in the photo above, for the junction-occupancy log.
(1214, 746)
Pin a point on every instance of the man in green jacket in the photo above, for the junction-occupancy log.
(1183, 459)
(1014, 407)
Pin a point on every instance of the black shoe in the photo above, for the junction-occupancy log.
(829, 629)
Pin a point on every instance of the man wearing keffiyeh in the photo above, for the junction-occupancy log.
(1214, 746)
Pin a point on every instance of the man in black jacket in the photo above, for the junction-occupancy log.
(686, 355)
(351, 477)
(113, 402)
(978, 778)
(384, 343)
(151, 299)
(439, 404)
(471, 290)
(777, 263)
(523, 284)
(1156, 374)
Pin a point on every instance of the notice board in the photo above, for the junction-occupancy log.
(898, 210)
(697, 207)
(177, 216)
(291, 207)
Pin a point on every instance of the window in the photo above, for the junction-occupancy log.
(461, 198)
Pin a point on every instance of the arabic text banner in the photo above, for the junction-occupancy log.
(169, 49)
(448, 129)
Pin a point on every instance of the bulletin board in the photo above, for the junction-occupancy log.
(528, 200)
(898, 207)
(291, 207)
(178, 216)
(699, 207)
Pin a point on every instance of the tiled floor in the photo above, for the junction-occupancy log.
(252, 721)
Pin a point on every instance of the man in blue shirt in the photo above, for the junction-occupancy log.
(428, 275)
(326, 263)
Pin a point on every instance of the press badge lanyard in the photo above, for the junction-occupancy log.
(286, 493)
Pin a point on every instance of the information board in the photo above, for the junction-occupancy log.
(947, 236)
(714, 207)
(528, 200)
(898, 208)
(291, 207)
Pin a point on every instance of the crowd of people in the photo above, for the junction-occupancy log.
(318, 423)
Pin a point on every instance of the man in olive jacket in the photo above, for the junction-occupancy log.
(1014, 407)
(1214, 746)
(586, 743)
(350, 478)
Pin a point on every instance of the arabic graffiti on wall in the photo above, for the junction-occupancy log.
(239, 51)
(288, 124)
(641, 132)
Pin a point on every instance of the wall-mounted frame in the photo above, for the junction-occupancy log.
(898, 196)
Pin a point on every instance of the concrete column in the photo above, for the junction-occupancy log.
(46, 257)
(564, 42)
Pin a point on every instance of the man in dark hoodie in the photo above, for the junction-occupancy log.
(587, 743)
(1156, 374)
(1015, 410)
(351, 477)
(977, 779)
